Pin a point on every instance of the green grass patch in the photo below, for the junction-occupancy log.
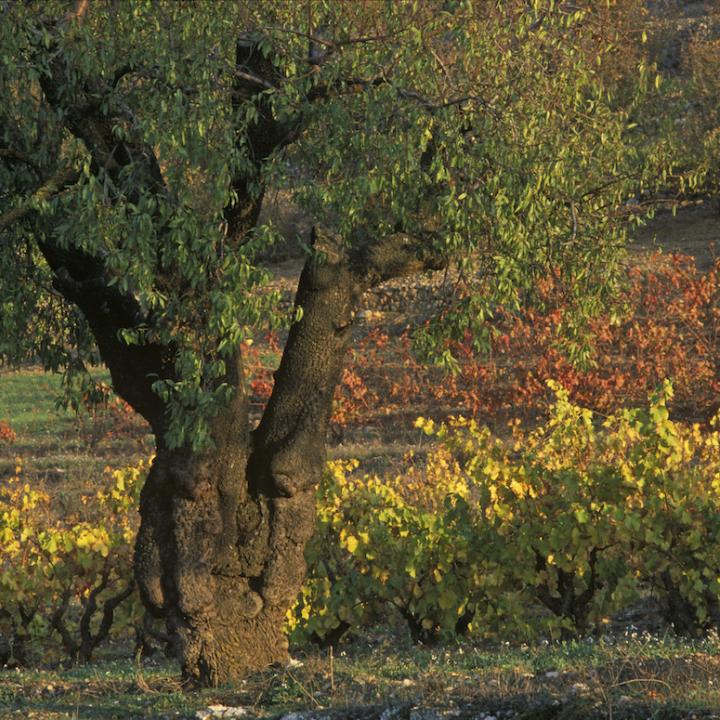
(58, 447)
(28, 403)
(623, 677)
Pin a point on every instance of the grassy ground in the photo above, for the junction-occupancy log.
(55, 444)
(630, 677)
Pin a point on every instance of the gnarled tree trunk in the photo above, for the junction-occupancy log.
(204, 545)
(220, 548)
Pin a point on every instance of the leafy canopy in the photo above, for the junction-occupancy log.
(490, 131)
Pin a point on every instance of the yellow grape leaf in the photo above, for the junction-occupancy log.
(351, 543)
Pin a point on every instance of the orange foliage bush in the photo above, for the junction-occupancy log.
(670, 328)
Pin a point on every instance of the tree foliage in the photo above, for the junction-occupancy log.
(503, 142)
(140, 137)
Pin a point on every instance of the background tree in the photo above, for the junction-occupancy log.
(137, 141)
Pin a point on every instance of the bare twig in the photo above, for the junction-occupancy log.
(331, 44)
(78, 11)
(351, 84)
(57, 622)
(255, 79)
(91, 607)
(108, 616)
(443, 67)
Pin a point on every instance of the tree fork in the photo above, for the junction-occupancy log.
(220, 552)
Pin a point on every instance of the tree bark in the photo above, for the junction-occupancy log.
(220, 552)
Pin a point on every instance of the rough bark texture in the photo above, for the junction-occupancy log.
(220, 549)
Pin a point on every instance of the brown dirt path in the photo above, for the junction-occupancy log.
(693, 230)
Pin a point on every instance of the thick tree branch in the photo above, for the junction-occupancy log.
(61, 180)
(376, 260)
(80, 277)
(288, 446)
(83, 280)
(331, 286)
(83, 115)
(255, 74)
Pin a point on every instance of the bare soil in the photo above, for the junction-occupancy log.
(693, 230)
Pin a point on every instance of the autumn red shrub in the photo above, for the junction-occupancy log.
(669, 328)
(7, 434)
